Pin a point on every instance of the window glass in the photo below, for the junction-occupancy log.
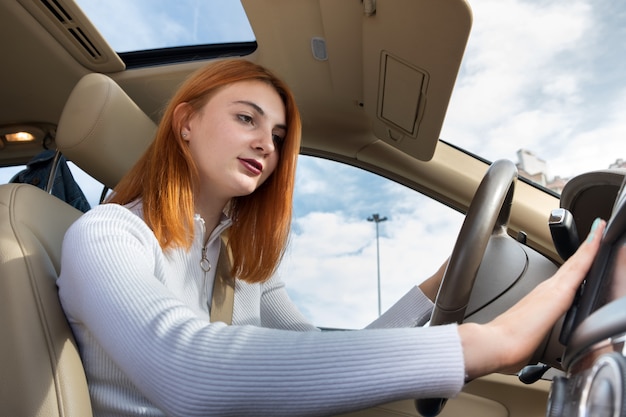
(331, 264)
(543, 83)
(137, 25)
(330, 267)
(90, 187)
(6, 173)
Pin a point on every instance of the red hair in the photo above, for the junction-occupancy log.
(165, 177)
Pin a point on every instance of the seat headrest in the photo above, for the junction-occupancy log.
(102, 130)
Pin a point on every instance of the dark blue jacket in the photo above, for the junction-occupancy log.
(65, 187)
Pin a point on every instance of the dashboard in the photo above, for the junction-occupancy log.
(594, 329)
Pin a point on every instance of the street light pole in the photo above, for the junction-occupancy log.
(377, 219)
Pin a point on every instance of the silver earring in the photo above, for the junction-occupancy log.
(183, 134)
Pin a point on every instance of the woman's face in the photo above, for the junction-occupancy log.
(234, 139)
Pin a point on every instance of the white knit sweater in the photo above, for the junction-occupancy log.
(141, 320)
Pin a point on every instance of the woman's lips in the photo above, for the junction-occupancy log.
(252, 165)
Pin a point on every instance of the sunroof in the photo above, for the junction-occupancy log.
(142, 25)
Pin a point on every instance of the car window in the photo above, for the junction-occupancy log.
(148, 25)
(330, 267)
(331, 264)
(90, 186)
(7, 173)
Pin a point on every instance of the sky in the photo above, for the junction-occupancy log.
(548, 76)
(330, 268)
(165, 23)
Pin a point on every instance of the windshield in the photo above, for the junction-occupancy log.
(543, 83)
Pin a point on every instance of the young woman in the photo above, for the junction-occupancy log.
(137, 280)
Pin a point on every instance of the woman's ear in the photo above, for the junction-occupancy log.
(182, 116)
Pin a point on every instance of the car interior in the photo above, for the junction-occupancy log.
(63, 83)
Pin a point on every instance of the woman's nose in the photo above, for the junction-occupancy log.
(264, 142)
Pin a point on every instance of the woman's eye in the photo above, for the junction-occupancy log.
(278, 139)
(245, 118)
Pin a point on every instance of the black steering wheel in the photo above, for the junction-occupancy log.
(487, 216)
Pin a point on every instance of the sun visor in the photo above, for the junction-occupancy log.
(411, 64)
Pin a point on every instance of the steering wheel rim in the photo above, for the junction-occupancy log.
(488, 215)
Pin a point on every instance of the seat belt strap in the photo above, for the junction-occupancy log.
(223, 288)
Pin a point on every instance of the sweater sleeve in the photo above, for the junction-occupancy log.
(412, 310)
(188, 366)
(278, 310)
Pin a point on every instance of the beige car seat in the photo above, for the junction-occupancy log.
(103, 132)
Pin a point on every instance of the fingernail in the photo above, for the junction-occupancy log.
(594, 227)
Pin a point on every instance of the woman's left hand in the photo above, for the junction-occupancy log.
(430, 287)
(506, 343)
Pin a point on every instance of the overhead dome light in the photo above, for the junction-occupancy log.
(27, 134)
(22, 136)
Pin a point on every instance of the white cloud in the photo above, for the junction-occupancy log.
(530, 80)
(330, 267)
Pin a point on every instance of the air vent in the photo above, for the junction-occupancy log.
(67, 23)
(73, 29)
